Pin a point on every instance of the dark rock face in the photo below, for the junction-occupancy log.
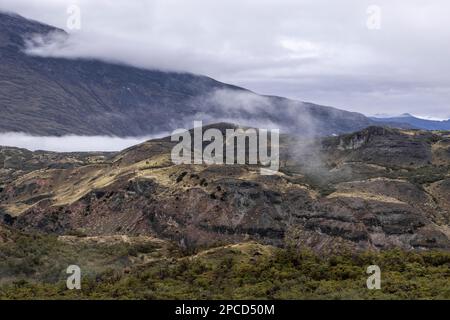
(234, 214)
(140, 192)
(85, 97)
(384, 146)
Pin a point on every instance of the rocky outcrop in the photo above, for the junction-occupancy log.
(140, 192)
(383, 146)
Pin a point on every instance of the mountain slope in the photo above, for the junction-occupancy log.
(415, 122)
(87, 97)
(356, 198)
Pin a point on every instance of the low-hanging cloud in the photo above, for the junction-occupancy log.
(248, 109)
(70, 143)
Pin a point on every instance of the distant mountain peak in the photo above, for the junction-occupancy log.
(417, 122)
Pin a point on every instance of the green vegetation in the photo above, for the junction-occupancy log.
(422, 175)
(244, 271)
(44, 259)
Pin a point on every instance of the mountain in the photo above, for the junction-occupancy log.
(56, 96)
(348, 194)
(415, 122)
(141, 227)
(378, 188)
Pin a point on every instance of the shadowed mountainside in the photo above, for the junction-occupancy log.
(56, 96)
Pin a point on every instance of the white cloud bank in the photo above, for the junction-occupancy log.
(69, 143)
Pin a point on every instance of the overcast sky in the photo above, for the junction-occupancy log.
(338, 53)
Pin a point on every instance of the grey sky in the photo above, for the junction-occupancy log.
(311, 50)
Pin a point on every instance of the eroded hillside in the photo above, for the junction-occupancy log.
(375, 189)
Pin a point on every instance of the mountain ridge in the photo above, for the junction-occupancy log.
(57, 96)
(334, 193)
(418, 123)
